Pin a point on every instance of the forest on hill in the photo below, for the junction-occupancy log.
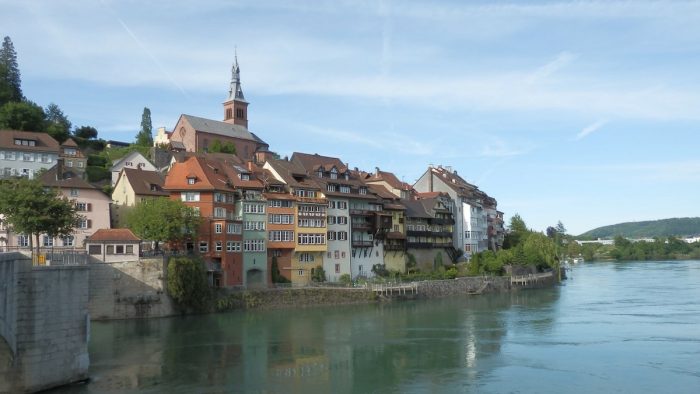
(676, 227)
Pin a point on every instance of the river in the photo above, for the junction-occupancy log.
(612, 327)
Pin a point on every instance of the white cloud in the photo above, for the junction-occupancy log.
(591, 128)
(562, 60)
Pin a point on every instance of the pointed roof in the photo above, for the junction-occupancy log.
(293, 174)
(69, 142)
(50, 178)
(149, 183)
(113, 234)
(235, 91)
(221, 128)
(42, 142)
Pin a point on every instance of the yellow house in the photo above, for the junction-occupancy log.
(132, 187)
(395, 239)
(311, 231)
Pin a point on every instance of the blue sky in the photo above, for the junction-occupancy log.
(585, 112)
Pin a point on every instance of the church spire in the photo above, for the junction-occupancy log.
(235, 106)
(235, 91)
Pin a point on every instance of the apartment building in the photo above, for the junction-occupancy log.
(25, 153)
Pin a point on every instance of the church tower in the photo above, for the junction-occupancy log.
(235, 106)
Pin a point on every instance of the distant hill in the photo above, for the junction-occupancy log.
(653, 228)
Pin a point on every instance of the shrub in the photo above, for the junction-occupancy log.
(345, 279)
(187, 282)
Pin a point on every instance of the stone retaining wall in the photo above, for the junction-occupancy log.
(294, 297)
(129, 290)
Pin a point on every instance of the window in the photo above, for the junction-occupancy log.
(311, 239)
(84, 223)
(119, 249)
(337, 268)
(69, 151)
(281, 219)
(344, 189)
(331, 236)
(95, 249)
(22, 241)
(28, 157)
(218, 228)
(328, 254)
(331, 220)
(69, 241)
(306, 258)
(129, 249)
(47, 241)
(219, 212)
(233, 228)
(109, 249)
(342, 254)
(254, 208)
(363, 190)
(232, 246)
(10, 156)
(331, 188)
(218, 246)
(254, 245)
(80, 164)
(219, 197)
(342, 205)
(337, 254)
(203, 246)
(82, 206)
(360, 269)
(69, 163)
(191, 181)
(229, 113)
(279, 204)
(281, 236)
(396, 228)
(334, 173)
(244, 177)
(253, 226)
(342, 235)
(189, 196)
(276, 253)
(301, 272)
(342, 220)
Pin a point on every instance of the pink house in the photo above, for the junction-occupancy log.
(91, 203)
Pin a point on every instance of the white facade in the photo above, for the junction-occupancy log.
(17, 162)
(337, 260)
(133, 160)
(475, 227)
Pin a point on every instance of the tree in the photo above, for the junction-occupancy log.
(145, 136)
(318, 274)
(275, 272)
(187, 282)
(9, 72)
(163, 220)
(25, 116)
(218, 147)
(30, 208)
(85, 132)
(560, 228)
(6, 92)
(57, 124)
(517, 231)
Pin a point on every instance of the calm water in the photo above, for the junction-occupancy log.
(614, 327)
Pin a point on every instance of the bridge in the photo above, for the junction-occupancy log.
(44, 324)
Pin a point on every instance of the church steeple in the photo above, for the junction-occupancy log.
(235, 106)
(235, 92)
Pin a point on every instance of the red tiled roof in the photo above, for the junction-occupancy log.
(113, 234)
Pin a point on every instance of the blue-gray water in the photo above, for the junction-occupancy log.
(613, 327)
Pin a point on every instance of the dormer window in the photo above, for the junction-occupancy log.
(244, 177)
(154, 187)
(347, 176)
(320, 173)
(70, 151)
(191, 180)
(363, 190)
(334, 173)
(19, 141)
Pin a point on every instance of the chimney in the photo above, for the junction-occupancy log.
(249, 165)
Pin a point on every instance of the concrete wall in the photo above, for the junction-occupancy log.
(291, 297)
(51, 325)
(128, 290)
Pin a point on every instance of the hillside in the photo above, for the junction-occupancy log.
(653, 228)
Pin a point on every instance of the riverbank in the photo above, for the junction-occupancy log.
(319, 296)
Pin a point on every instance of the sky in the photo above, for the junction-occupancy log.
(584, 112)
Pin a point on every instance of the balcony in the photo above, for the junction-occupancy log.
(312, 200)
(445, 234)
(361, 226)
(394, 247)
(361, 212)
(417, 233)
(419, 245)
(443, 221)
(362, 243)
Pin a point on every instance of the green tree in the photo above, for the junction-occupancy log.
(85, 132)
(30, 208)
(276, 276)
(25, 116)
(187, 282)
(57, 124)
(318, 274)
(517, 231)
(163, 220)
(9, 71)
(218, 147)
(145, 136)
(6, 92)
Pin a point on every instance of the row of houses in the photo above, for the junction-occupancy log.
(304, 215)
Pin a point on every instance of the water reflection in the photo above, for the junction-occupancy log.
(339, 349)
